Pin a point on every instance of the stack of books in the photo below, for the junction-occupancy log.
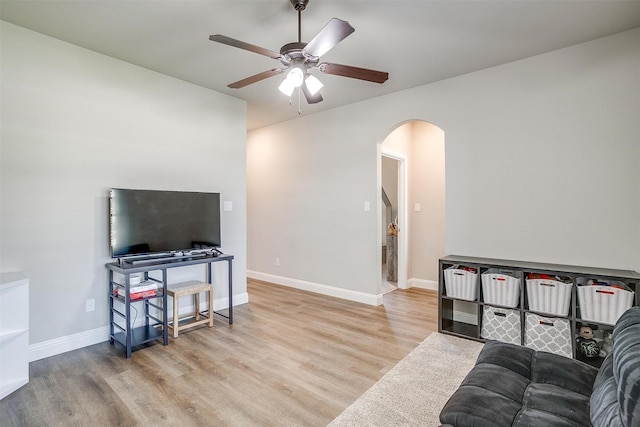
(143, 290)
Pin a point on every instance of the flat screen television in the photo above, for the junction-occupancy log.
(152, 221)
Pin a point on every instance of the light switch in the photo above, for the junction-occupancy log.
(228, 206)
(367, 206)
(417, 207)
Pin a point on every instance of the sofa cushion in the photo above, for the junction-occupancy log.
(616, 392)
(475, 406)
(554, 405)
(549, 368)
(512, 385)
(513, 357)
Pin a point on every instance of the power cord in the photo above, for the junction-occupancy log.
(135, 317)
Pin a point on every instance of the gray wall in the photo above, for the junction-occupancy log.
(542, 164)
(75, 123)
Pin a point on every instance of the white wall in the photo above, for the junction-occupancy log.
(542, 164)
(75, 123)
(426, 188)
(305, 205)
(422, 145)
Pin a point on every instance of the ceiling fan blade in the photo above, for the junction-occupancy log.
(255, 78)
(333, 33)
(246, 46)
(354, 72)
(311, 99)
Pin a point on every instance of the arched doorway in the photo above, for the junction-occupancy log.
(417, 147)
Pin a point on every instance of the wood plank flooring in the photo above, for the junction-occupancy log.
(291, 358)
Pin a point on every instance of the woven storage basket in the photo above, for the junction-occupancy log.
(500, 287)
(461, 284)
(603, 304)
(549, 296)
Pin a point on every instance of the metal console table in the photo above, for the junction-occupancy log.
(154, 328)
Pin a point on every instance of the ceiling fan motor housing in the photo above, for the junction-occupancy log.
(293, 53)
(299, 4)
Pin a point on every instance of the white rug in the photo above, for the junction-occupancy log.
(414, 391)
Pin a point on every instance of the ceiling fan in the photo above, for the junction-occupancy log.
(299, 57)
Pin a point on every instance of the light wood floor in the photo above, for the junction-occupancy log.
(291, 358)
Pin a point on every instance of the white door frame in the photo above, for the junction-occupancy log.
(403, 223)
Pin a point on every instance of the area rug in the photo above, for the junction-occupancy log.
(414, 391)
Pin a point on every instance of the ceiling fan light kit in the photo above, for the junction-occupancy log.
(299, 57)
(294, 79)
(313, 84)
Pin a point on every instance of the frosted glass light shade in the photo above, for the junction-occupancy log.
(286, 87)
(293, 80)
(295, 76)
(313, 84)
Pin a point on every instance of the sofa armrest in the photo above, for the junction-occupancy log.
(615, 399)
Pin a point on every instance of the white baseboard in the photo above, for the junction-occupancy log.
(352, 295)
(60, 345)
(318, 288)
(431, 285)
(67, 343)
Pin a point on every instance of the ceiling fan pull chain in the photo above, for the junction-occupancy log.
(299, 109)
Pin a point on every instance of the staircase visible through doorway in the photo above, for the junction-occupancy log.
(387, 286)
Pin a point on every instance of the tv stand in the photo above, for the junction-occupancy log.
(121, 328)
(165, 258)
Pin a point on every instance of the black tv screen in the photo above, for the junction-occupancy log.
(152, 221)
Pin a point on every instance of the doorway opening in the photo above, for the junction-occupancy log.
(412, 206)
(393, 216)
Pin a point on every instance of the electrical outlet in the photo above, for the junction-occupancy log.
(90, 304)
(277, 261)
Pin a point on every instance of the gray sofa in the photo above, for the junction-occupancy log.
(512, 385)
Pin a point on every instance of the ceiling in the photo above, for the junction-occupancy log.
(417, 42)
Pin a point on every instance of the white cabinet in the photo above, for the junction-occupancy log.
(14, 332)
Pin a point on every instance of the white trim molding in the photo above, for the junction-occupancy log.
(61, 345)
(67, 343)
(431, 285)
(318, 288)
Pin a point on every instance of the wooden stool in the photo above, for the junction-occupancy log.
(194, 288)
